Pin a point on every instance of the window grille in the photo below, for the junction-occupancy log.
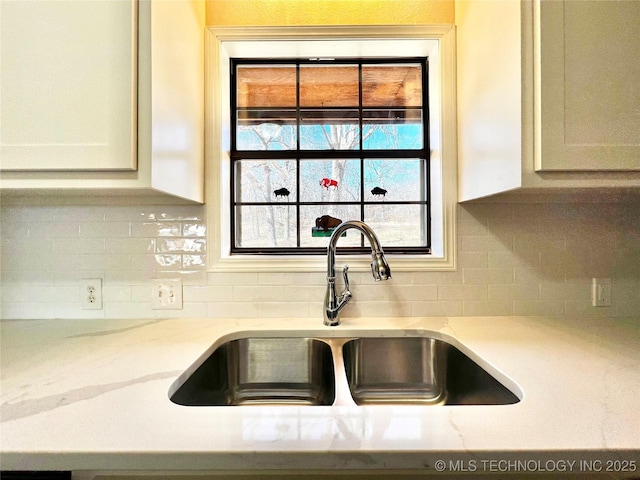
(315, 141)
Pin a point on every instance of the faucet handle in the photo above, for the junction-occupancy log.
(346, 279)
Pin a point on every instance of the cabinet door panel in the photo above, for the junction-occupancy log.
(590, 97)
(68, 85)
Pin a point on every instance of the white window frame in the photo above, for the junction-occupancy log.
(434, 41)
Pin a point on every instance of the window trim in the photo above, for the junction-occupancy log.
(435, 41)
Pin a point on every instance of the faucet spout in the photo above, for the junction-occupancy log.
(380, 270)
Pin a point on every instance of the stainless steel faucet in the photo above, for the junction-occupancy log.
(380, 270)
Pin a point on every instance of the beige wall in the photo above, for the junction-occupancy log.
(329, 12)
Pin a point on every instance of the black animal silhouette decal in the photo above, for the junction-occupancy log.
(377, 191)
(281, 192)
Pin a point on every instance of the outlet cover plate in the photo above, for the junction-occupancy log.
(91, 294)
(601, 292)
(166, 294)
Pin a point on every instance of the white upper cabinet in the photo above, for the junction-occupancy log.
(590, 74)
(150, 118)
(548, 95)
(68, 85)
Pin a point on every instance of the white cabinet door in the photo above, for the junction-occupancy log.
(68, 85)
(590, 85)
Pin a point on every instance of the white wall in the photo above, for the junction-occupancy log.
(514, 259)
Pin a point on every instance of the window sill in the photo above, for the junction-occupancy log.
(359, 263)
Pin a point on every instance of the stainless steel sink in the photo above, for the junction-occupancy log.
(262, 371)
(396, 370)
(412, 370)
(418, 370)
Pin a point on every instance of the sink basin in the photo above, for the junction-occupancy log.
(262, 371)
(411, 370)
(418, 370)
(396, 370)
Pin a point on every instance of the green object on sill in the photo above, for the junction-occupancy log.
(319, 232)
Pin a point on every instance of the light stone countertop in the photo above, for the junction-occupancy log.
(93, 395)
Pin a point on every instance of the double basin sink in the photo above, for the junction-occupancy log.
(408, 370)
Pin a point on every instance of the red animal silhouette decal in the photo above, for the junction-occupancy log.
(328, 182)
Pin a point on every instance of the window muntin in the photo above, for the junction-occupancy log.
(289, 135)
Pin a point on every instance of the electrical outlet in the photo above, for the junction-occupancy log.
(166, 294)
(601, 292)
(91, 294)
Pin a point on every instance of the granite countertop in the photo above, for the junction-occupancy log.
(93, 395)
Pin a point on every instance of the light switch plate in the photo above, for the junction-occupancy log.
(166, 294)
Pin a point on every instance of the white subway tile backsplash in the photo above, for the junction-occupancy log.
(484, 308)
(11, 229)
(180, 245)
(462, 292)
(27, 214)
(233, 310)
(71, 214)
(130, 245)
(514, 292)
(628, 307)
(537, 243)
(310, 293)
(440, 308)
(523, 259)
(513, 259)
(283, 309)
(105, 229)
(189, 310)
(131, 310)
(474, 259)
(165, 260)
(259, 293)
(232, 278)
(377, 309)
(552, 273)
(148, 229)
(538, 307)
(485, 243)
(483, 276)
(572, 307)
(26, 310)
(84, 245)
(366, 293)
(580, 292)
(282, 278)
(116, 293)
(69, 261)
(194, 261)
(107, 261)
(53, 230)
(207, 293)
(194, 230)
(437, 278)
(189, 276)
(407, 293)
(472, 226)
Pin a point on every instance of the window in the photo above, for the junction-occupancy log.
(314, 142)
(300, 167)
